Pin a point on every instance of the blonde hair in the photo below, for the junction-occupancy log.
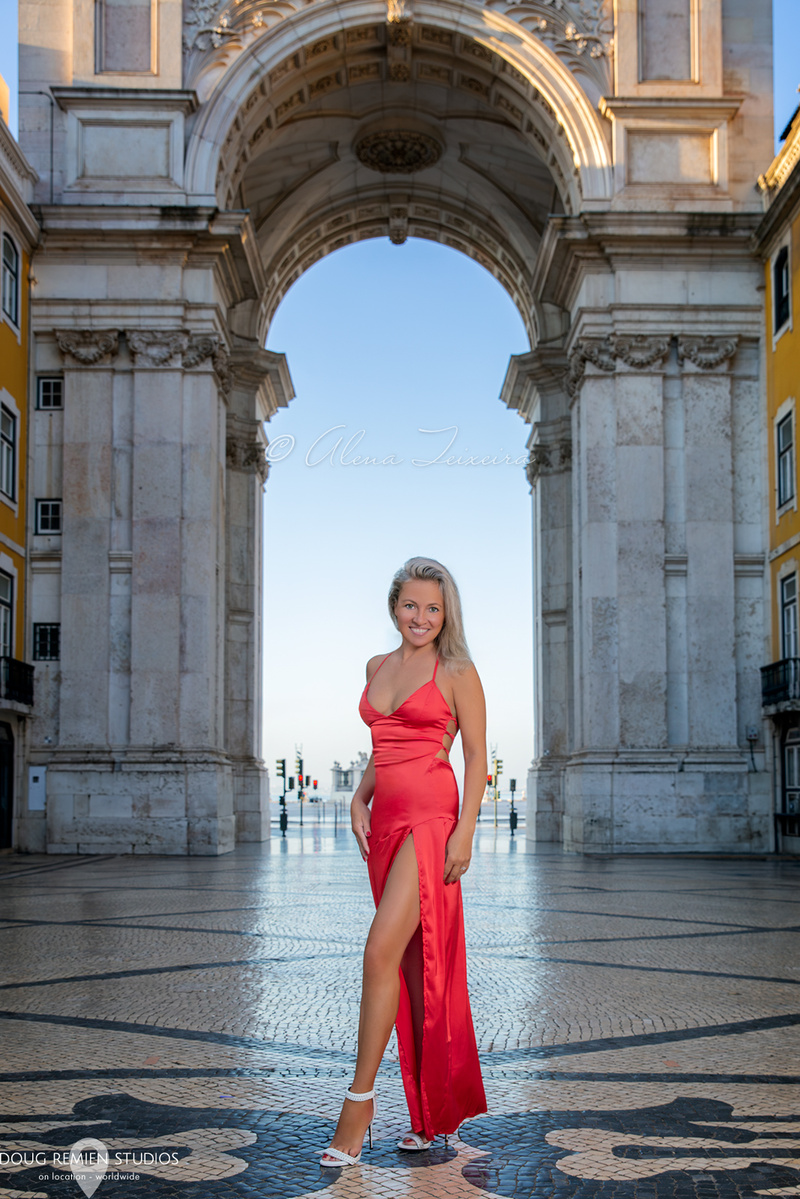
(451, 645)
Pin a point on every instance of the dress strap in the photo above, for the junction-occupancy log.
(380, 664)
(436, 667)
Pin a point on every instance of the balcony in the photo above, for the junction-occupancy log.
(16, 681)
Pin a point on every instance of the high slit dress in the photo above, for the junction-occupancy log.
(416, 795)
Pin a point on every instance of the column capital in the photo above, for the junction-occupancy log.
(156, 347)
(707, 352)
(87, 347)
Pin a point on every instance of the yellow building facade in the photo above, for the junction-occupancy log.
(779, 241)
(19, 234)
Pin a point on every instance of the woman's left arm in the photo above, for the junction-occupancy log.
(470, 708)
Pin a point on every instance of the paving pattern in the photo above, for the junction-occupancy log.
(638, 1022)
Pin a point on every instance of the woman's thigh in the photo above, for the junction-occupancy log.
(397, 917)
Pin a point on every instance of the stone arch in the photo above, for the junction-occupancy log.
(511, 137)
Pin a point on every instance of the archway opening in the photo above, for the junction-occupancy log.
(396, 445)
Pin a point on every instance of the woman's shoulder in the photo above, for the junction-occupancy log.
(462, 675)
(373, 664)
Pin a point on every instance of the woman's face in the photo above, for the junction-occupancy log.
(420, 611)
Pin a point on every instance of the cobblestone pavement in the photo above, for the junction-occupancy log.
(638, 1022)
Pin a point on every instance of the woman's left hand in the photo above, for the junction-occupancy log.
(458, 855)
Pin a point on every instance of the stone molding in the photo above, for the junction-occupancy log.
(707, 352)
(551, 459)
(156, 347)
(87, 347)
(246, 454)
(641, 351)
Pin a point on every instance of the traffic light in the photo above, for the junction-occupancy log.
(280, 764)
(315, 784)
(498, 766)
(488, 780)
(299, 768)
(291, 782)
(308, 781)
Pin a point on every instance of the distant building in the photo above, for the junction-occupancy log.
(345, 779)
(778, 238)
(19, 234)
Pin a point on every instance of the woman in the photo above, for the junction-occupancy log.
(417, 849)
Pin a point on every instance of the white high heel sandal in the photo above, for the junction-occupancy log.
(345, 1159)
(418, 1142)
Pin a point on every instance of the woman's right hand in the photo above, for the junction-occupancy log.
(360, 819)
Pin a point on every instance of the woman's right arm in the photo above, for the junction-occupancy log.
(360, 817)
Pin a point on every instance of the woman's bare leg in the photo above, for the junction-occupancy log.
(395, 922)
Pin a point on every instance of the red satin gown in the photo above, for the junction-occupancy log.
(416, 794)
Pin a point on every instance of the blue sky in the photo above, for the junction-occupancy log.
(384, 342)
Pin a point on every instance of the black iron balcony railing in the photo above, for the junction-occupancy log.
(780, 681)
(16, 681)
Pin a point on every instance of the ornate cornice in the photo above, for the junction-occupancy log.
(156, 347)
(707, 352)
(87, 347)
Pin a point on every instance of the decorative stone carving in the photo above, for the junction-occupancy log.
(242, 453)
(640, 351)
(398, 226)
(209, 345)
(398, 151)
(88, 346)
(400, 31)
(548, 459)
(156, 347)
(598, 351)
(707, 352)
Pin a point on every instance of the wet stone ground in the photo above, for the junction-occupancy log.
(638, 1022)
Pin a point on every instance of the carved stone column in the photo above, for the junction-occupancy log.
(534, 385)
(260, 384)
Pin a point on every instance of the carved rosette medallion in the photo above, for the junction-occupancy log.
(87, 347)
(242, 453)
(708, 352)
(156, 347)
(398, 151)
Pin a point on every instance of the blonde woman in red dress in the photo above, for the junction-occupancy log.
(417, 848)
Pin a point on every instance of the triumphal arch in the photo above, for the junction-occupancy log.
(600, 160)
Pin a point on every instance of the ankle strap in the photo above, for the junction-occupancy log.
(359, 1098)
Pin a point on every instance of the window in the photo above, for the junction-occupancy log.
(789, 616)
(8, 452)
(48, 516)
(780, 287)
(791, 772)
(6, 614)
(46, 642)
(786, 460)
(49, 392)
(10, 279)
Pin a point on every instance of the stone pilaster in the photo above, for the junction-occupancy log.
(259, 383)
(534, 385)
(658, 510)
